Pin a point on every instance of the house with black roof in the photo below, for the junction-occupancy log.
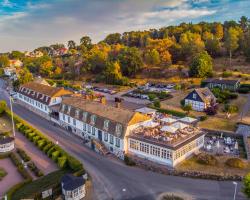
(200, 99)
(73, 188)
(224, 84)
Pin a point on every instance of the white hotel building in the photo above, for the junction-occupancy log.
(40, 98)
(104, 123)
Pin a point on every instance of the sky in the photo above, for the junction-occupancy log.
(28, 24)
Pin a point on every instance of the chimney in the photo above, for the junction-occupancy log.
(103, 100)
(118, 104)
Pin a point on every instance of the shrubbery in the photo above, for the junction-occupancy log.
(23, 155)
(223, 96)
(171, 197)
(34, 169)
(129, 161)
(235, 163)
(2, 107)
(207, 159)
(62, 158)
(231, 108)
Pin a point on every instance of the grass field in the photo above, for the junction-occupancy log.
(217, 123)
(39, 185)
(220, 169)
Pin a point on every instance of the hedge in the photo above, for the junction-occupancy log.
(170, 112)
(23, 155)
(46, 145)
(14, 188)
(35, 169)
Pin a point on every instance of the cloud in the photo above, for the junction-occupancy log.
(43, 22)
(13, 16)
(7, 3)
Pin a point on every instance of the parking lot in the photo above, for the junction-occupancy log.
(146, 91)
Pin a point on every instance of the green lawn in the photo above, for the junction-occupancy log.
(3, 173)
(39, 185)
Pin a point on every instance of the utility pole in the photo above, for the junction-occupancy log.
(12, 118)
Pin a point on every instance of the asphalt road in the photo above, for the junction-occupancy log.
(114, 180)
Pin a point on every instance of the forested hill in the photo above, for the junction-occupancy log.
(121, 56)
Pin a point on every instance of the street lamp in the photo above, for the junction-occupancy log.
(12, 118)
(235, 189)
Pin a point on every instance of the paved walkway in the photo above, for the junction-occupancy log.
(38, 157)
(13, 177)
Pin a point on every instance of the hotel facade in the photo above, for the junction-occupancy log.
(40, 98)
(104, 123)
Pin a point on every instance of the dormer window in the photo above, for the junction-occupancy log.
(77, 112)
(47, 98)
(92, 119)
(42, 96)
(118, 130)
(69, 108)
(63, 107)
(84, 116)
(106, 125)
(37, 94)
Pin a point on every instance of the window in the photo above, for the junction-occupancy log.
(194, 96)
(77, 113)
(117, 142)
(92, 119)
(106, 125)
(74, 122)
(93, 130)
(89, 129)
(111, 139)
(63, 117)
(118, 130)
(69, 119)
(84, 127)
(69, 108)
(105, 137)
(84, 116)
(133, 144)
(63, 108)
(45, 107)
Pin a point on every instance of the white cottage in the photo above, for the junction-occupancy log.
(200, 99)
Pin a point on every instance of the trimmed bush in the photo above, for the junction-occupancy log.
(62, 162)
(203, 118)
(80, 172)
(35, 139)
(171, 197)
(47, 147)
(34, 169)
(55, 155)
(41, 143)
(51, 150)
(31, 135)
(128, 161)
(74, 164)
(235, 163)
(23, 155)
(16, 161)
(207, 159)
